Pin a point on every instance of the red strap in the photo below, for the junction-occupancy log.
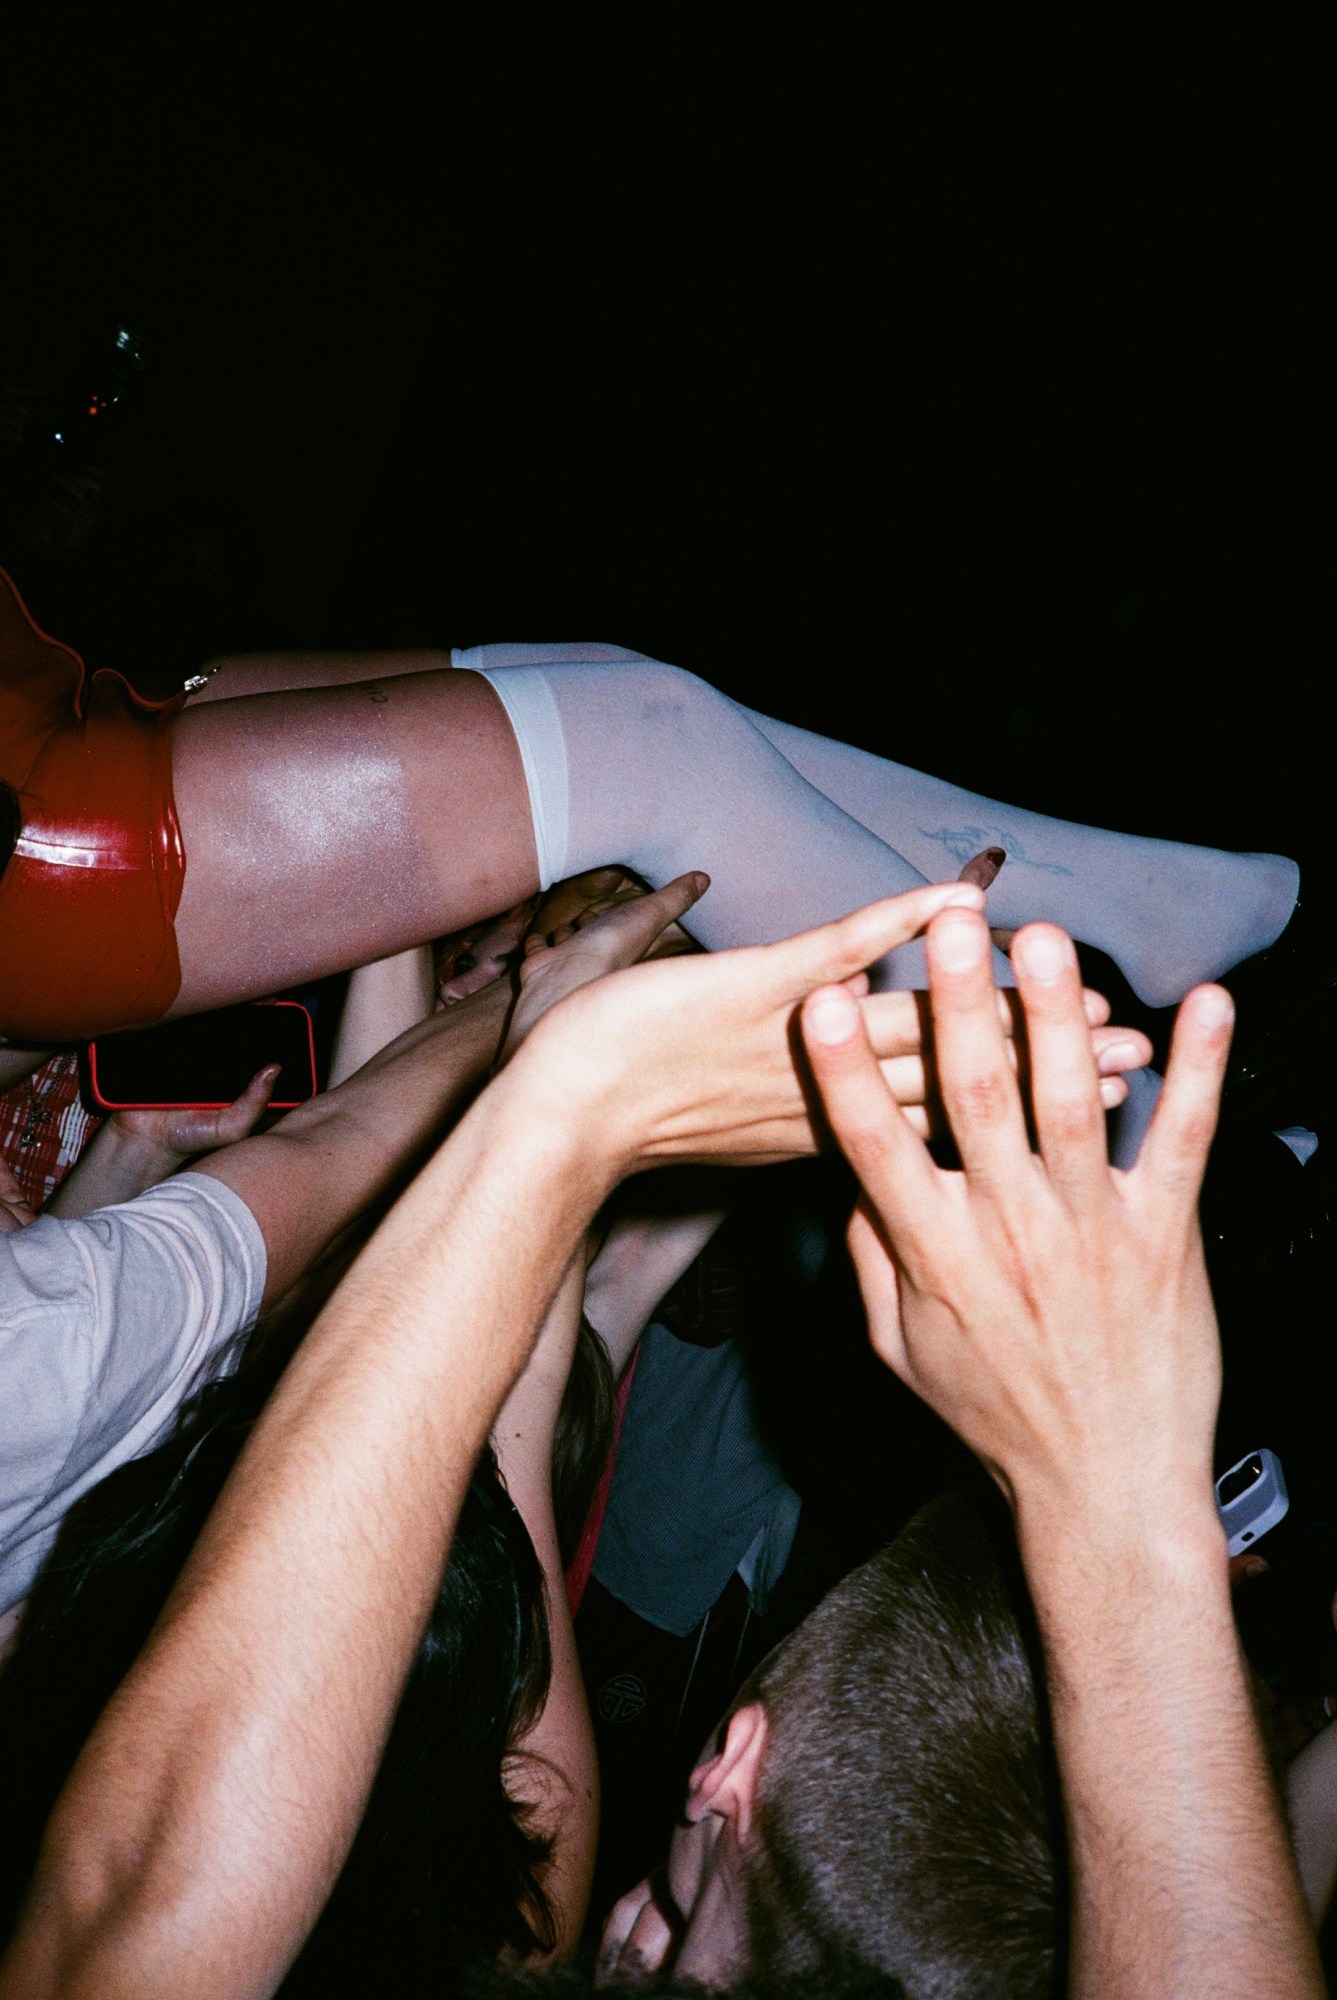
(582, 1562)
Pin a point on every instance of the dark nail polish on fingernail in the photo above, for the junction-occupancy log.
(998, 855)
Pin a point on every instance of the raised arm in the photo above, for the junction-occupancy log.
(214, 1804)
(314, 1173)
(1057, 1314)
(382, 1000)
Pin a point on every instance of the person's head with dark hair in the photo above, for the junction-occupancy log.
(881, 1801)
(445, 1868)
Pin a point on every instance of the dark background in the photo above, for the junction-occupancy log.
(958, 389)
(960, 396)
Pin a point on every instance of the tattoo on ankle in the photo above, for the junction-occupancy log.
(961, 842)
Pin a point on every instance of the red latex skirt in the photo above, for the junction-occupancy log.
(88, 898)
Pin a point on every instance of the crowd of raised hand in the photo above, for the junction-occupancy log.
(282, 1657)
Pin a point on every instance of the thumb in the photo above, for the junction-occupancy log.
(242, 1113)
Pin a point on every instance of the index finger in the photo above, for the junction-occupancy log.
(892, 1163)
(642, 920)
(832, 952)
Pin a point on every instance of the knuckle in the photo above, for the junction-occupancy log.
(866, 1143)
(983, 1099)
(1074, 1119)
(1194, 1130)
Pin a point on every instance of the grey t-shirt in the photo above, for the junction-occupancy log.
(107, 1325)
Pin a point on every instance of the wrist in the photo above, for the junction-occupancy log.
(581, 1093)
(134, 1152)
(1137, 1501)
(564, 1131)
(1111, 1555)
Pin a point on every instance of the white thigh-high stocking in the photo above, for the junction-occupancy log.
(1168, 914)
(651, 767)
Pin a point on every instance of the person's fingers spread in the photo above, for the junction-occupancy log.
(889, 1160)
(1174, 1152)
(1065, 1096)
(979, 1090)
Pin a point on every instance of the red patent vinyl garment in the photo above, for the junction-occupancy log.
(90, 894)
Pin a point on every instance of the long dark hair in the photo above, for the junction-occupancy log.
(444, 1869)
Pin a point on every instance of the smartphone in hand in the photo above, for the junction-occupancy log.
(205, 1060)
(1251, 1498)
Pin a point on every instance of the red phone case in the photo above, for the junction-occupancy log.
(197, 1104)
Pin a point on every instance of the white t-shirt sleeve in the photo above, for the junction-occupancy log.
(107, 1325)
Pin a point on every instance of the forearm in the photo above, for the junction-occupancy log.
(216, 1799)
(382, 1001)
(1182, 1879)
(557, 1771)
(330, 1159)
(231, 1740)
(639, 1262)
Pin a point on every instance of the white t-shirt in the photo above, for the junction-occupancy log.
(107, 1325)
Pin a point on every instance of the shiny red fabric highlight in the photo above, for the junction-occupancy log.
(88, 898)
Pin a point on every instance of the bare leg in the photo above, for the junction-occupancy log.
(328, 826)
(234, 675)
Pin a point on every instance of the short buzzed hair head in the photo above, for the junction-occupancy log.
(907, 1815)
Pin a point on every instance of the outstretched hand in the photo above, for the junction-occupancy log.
(617, 924)
(199, 1129)
(1052, 1309)
(693, 1059)
(618, 927)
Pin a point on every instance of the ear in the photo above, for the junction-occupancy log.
(725, 1783)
